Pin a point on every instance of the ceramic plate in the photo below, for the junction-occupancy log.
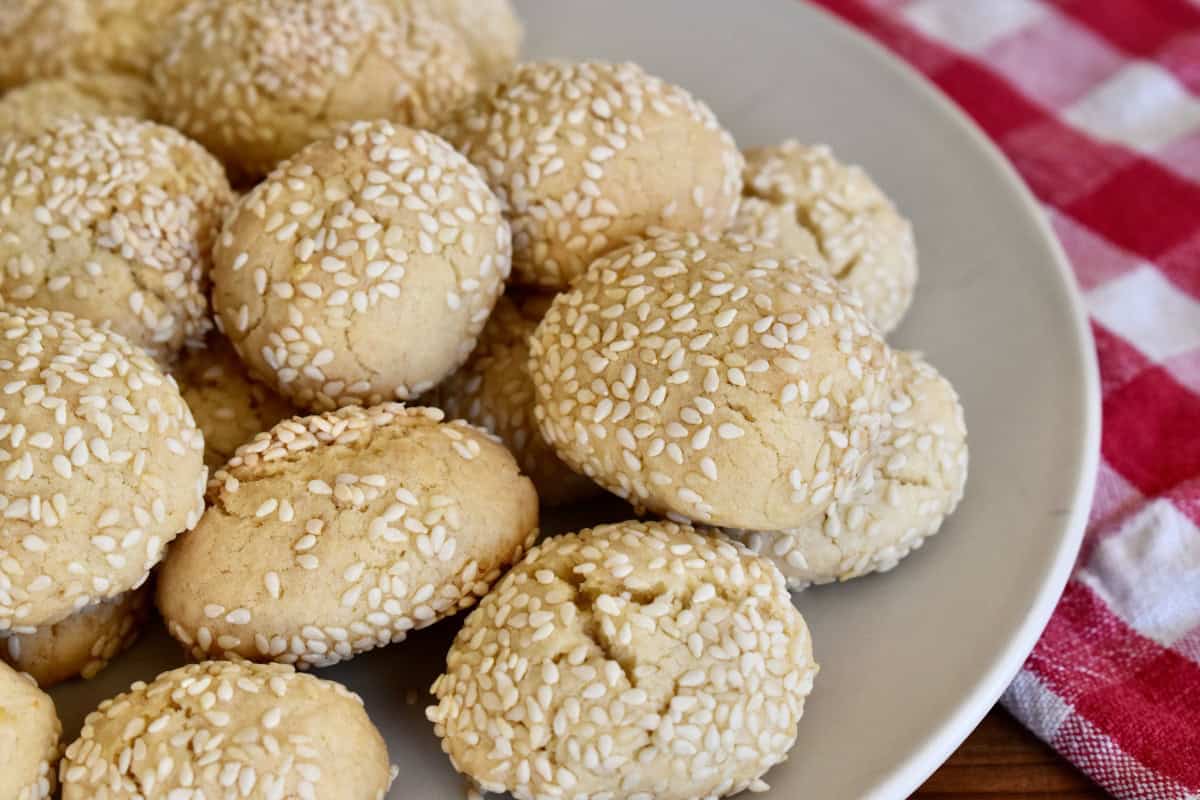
(910, 660)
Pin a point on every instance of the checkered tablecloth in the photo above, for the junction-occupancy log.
(1097, 104)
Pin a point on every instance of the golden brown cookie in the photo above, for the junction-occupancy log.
(224, 729)
(336, 534)
(257, 80)
(712, 379)
(363, 269)
(639, 658)
(586, 155)
(29, 731)
(112, 219)
(104, 466)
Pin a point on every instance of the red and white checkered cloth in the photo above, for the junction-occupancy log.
(1097, 103)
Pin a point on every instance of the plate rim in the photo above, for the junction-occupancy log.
(907, 776)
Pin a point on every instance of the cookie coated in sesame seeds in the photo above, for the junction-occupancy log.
(30, 109)
(494, 391)
(336, 534)
(491, 28)
(81, 645)
(586, 155)
(228, 405)
(639, 660)
(112, 219)
(362, 269)
(257, 80)
(712, 379)
(915, 481)
(867, 244)
(48, 38)
(29, 733)
(224, 729)
(103, 466)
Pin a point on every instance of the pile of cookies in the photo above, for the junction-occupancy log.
(307, 306)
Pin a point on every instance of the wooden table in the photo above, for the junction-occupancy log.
(1003, 761)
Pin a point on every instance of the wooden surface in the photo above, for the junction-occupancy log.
(1003, 761)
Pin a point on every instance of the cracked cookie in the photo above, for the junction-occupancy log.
(867, 244)
(712, 379)
(363, 269)
(226, 729)
(336, 534)
(639, 659)
(915, 482)
(494, 391)
(32, 108)
(48, 38)
(255, 81)
(228, 405)
(112, 219)
(103, 466)
(82, 644)
(586, 155)
(29, 731)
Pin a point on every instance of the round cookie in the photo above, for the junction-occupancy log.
(257, 80)
(226, 729)
(103, 466)
(112, 219)
(29, 732)
(494, 391)
(867, 244)
(712, 379)
(363, 269)
(82, 644)
(639, 660)
(228, 405)
(776, 224)
(336, 534)
(32, 108)
(586, 155)
(48, 38)
(915, 482)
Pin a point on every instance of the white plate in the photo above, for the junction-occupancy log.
(913, 659)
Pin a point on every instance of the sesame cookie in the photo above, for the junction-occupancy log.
(228, 405)
(712, 379)
(776, 223)
(226, 729)
(915, 482)
(586, 155)
(80, 645)
(636, 660)
(257, 80)
(112, 219)
(336, 534)
(47, 38)
(494, 391)
(103, 466)
(363, 269)
(30, 109)
(867, 244)
(29, 731)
